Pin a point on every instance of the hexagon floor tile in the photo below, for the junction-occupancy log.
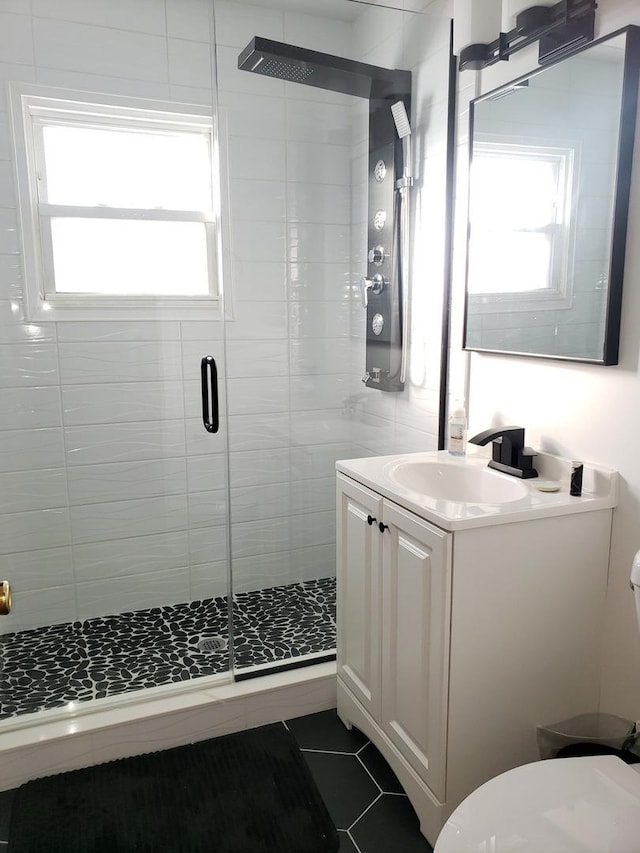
(365, 800)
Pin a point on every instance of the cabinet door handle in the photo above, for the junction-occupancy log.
(382, 527)
(371, 520)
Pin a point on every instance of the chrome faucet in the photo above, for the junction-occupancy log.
(508, 451)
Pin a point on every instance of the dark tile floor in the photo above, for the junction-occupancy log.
(365, 800)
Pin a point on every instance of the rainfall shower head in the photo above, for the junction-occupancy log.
(322, 70)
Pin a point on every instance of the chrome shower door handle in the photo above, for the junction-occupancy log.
(209, 382)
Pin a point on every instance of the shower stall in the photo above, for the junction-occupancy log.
(144, 548)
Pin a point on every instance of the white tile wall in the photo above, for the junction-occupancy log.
(269, 278)
(124, 518)
(204, 542)
(313, 495)
(263, 536)
(16, 42)
(256, 198)
(10, 279)
(264, 570)
(9, 244)
(128, 361)
(122, 402)
(101, 83)
(139, 591)
(22, 491)
(30, 407)
(272, 356)
(262, 118)
(260, 467)
(57, 602)
(207, 507)
(258, 432)
(115, 558)
(110, 482)
(49, 567)
(259, 241)
(208, 580)
(266, 501)
(126, 442)
(31, 531)
(189, 20)
(147, 16)
(25, 449)
(206, 472)
(234, 21)
(189, 64)
(98, 50)
(28, 365)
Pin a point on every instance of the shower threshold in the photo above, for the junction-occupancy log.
(49, 742)
(62, 666)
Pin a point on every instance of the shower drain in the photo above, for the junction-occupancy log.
(212, 644)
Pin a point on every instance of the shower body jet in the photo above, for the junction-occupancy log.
(388, 92)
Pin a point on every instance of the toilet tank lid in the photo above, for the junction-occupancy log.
(635, 570)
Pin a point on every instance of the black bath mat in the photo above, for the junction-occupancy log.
(250, 792)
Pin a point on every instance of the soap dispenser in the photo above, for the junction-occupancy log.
(457, 431)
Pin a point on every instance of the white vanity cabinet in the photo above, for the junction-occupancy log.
(393, 623)
(453, 645)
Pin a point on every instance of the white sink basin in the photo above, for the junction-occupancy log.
(458, 492)
(456, 483)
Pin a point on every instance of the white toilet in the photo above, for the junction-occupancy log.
(570, 805)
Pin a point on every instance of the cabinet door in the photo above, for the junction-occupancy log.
(416, 595)
(358, 583)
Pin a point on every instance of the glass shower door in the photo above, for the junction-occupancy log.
(290, 346)
(113, 479)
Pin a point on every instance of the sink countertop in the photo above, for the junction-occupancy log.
(599, 489)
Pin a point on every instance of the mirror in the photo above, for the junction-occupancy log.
(548, 199)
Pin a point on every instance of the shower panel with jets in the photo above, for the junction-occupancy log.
(388, 92)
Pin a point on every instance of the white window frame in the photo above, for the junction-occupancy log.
(559, 294)
(31, 107)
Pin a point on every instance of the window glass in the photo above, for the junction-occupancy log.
(129, 257)
(117, 167)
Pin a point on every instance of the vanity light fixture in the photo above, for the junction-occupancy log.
(559, 29)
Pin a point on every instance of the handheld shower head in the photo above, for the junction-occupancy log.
(403, 129)
(401, 119)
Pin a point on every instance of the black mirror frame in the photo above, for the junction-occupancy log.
(626, 139)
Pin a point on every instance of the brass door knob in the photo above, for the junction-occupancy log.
(5, 598)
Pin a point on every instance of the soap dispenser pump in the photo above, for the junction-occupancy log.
(457, 432)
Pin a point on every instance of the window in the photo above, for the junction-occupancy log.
(116, 204)
(520, 224)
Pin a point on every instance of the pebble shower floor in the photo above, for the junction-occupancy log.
(47, 667)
